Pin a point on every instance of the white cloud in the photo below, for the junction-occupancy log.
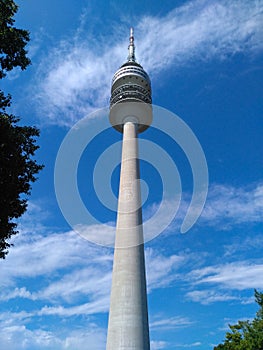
(252, 242)
(16, 293)
(74, 79)
(42, 255)
(73, 276)
(34, 255)
(170, 323)
(68, 269)
(206, 297)
(192, 345)
(201, 30)
(163, 269)
(86, 272)
(238, 275)
(73, 268)
(228, 205)
(9, 318)
(99, 305)
(158, 344)
(93, 336)
(93, 281)
(20, 337)
(76, 82)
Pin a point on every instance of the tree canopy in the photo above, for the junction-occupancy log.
(246, 335)
(13, 40)
(17, 143)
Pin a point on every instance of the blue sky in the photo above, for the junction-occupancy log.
(204, 59)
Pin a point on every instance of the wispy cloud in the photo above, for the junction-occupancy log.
(206, 297)
(192, 345)
(233, 205)
(67, 269)
(163, 269)
(19, 337)
(16, 293)
(238, 275)
(100, 305)
(52, 254)
(48, 254)
(74, 79)
(170, 323)
(73, 269)
(79, 283)
(251, 243)
(16, 335)
(73, 276)
(73, 280)
(201, 30)
(158, 344)
(226, 206)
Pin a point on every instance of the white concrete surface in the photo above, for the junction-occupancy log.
(128, 318)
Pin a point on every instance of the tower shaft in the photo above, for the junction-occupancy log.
(128, 318)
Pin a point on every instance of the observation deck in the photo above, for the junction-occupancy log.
(131, 93)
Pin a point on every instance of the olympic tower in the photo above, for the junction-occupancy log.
(130, 114)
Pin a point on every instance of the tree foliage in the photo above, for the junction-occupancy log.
(13, 40)
(246, 335)
(17, 143)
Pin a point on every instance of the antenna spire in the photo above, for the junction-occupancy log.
(131, 47)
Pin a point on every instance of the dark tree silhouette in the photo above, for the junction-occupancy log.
(17, 143)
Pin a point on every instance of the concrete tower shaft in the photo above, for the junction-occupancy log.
(128, 327)
(128, 318)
